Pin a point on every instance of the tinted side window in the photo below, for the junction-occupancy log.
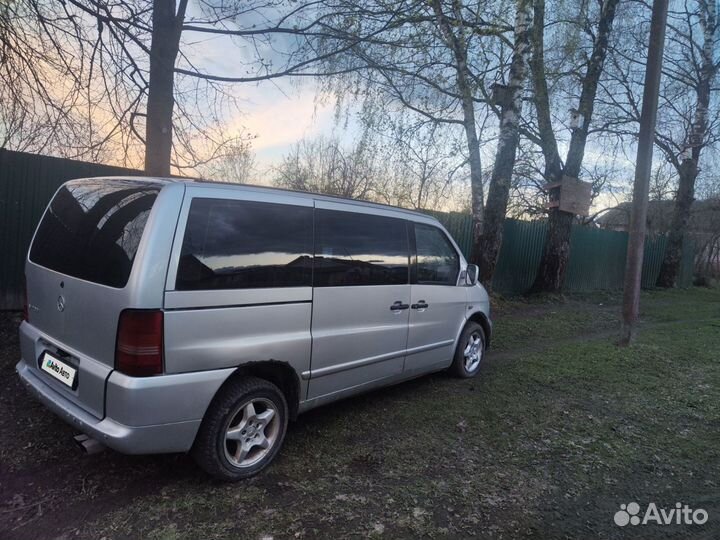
(245, 245)
(359, 249)
(437, 261)
(93, 228)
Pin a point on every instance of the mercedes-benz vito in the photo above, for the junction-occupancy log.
(176, 315)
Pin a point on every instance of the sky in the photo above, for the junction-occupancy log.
(279, 117)
(278, 112)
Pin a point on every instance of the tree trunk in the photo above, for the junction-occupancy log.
(468, 107)
(688, 169)
(670, 269)
(476, 186)
(553, 164)
(458, 45)
(487, 248)
(541, 97)
(161, 97)
(556, 255)
(488, 245)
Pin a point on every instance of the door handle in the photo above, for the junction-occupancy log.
(420, 305)
(398, 306)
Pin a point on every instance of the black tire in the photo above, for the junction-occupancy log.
(214, 454)
(459, 367)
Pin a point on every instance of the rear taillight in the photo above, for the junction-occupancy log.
(139, 349)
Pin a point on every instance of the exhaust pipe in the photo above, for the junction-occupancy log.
(88, 445)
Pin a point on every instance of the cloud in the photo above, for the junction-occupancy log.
(278, 112)
(280, 118)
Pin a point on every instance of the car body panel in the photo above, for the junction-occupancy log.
(133, 402)
(435, 327)
(356, 337)
(221, 337)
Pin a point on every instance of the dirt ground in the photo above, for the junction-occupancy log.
(560, 428)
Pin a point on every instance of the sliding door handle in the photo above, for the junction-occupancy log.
(398, 306)
(420, 305)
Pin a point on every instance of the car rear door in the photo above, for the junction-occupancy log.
(82, 272)
(361, 297)
(438, 301)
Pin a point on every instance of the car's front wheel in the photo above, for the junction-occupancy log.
(470, 351)
(243, 429)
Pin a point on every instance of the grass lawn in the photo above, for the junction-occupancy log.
(560, 428)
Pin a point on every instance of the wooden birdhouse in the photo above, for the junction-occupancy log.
(576, 119)
(501, 94)
(570, 195)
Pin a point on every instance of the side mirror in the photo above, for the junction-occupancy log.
(471, 274)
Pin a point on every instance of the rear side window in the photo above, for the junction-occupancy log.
(359, 249)
(437, 261)
(92, 229)
(245, 245)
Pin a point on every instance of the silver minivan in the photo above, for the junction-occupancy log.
(185, 316)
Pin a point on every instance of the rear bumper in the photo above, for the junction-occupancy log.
(163, 398)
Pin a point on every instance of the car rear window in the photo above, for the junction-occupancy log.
(232, 244)
(92, 229)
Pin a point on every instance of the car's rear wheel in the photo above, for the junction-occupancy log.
(243, 429)
(470, 351)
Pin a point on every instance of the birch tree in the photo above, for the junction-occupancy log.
(436, 60)
(453, 31)
(696, 67)
(556, 254)
(689, 109)
(510, 110)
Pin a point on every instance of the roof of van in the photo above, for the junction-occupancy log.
(267, 189)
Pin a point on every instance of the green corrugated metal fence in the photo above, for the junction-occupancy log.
(519, 256)
(653, 257)
(597, 256)
(27, 181)
(597, 259)
(654, 252)
(459, 225)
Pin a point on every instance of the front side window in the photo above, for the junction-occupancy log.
(92, 229)
(245, 245)
(359, 249)
(437, 261)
